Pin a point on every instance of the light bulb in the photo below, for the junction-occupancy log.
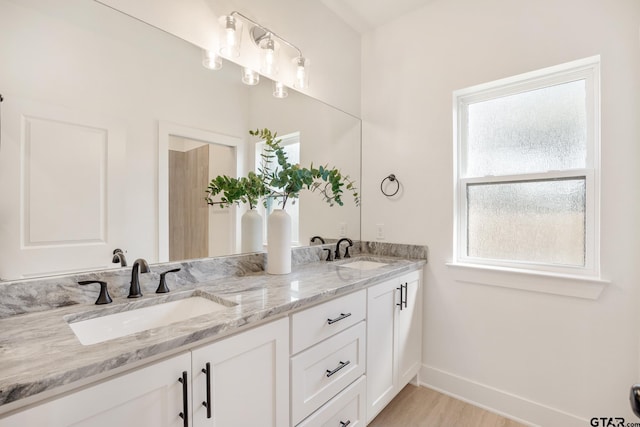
(211, 60)
(230, 36)
(269, 52)
(301, 80)
(279, 90)
(250, 77)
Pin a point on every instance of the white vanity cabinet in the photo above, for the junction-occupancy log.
(394, 343)
(148, 397)
(249, 386)
(248, 379)
(328, 356)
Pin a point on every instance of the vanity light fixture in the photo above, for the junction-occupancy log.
(250, 77)
(211, 60)
(230, 36)
(269, 44)
(279, 90)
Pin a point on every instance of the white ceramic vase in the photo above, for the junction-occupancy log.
(251, 230)
(279, 242)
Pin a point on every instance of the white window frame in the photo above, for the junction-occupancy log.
(586, 69)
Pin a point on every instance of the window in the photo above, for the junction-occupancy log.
(527, 171)
(291, 145)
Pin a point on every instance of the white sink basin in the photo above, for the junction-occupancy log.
(363, 265)
(104, 328)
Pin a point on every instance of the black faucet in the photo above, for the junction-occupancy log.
(118, 257)
(139, 266)
(346, 252)
(314, 238)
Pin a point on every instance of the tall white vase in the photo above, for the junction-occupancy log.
(251, 230)
(279, 242)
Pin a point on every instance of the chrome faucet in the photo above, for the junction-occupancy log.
(139, 266)
(346, 252)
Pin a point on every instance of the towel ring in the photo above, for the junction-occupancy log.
(391, 178)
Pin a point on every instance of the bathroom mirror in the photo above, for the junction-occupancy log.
(93, 99)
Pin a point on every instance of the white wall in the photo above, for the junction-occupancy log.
(547, 359)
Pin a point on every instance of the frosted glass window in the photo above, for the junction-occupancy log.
(530, 221)
(534, 131)
(527, 159)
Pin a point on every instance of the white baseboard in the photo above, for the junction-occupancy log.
(500, 402)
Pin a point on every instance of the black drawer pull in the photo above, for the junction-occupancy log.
(342, 365)
(185, 399)
(345, 424)
(207, 404)
(401, 288)
(339, 318)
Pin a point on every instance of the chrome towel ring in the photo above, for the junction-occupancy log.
(390, 178)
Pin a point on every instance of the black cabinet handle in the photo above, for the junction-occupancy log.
(207, 404)
(406, 292)
(345, 423)
(401, 288)
(185, 399)
(342, 365)
(339, 318)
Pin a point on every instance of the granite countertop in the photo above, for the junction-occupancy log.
(39, 352)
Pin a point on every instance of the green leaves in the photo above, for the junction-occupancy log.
(235, 190)
(280, 179)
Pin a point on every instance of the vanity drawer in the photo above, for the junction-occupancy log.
(347, 408)
(322, 371)
(317, 323)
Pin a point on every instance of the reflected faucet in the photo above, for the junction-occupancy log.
(139, 266)
(314, 238)
(346, 252)
(118, 257)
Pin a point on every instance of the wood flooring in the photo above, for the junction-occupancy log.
(423, 407)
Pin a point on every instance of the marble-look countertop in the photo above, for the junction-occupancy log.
(40, 353)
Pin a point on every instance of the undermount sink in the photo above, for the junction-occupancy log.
(142, 318)
(363, 265)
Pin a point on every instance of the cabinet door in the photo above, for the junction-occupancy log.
(410, 330)
(148, 397)
(248, 377)
(381, 343)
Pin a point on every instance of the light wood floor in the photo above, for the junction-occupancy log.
(423, 407)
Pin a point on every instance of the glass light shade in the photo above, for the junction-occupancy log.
(211, 60)
(250, 77)
(301, 72)
(279, 90)
(230, 36)
(269, 50)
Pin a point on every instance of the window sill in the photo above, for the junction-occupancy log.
(527, 280)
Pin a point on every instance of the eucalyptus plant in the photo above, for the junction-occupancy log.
(280, 179)
(287, 180)
(247, 189)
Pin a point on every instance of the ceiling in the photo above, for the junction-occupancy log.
(365, 15)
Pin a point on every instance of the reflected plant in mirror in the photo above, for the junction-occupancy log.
(276, 179)
(287, 180)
